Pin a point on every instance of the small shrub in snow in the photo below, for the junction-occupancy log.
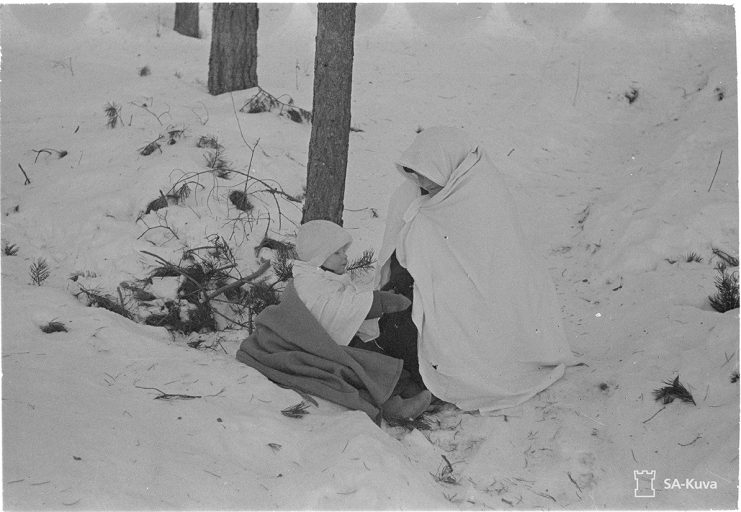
(259, 296)
(296, 411)
(151, 147)
(241, 201)
(208, 141)
(60, 153)
(216, 163)
(74, 276)
(263, 101)
(175, 134)
(409, 424)
(113, 114)
(445, 473)
(156, 204)
(175, 195)
(39, 271)
(734, 377)
(631, 95)
(144, 71)
(726, 298)
(693, 257)
(53, 326)
(9, 249)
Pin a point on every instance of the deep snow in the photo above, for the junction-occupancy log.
(613, 194)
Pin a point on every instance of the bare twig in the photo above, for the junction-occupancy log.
(239, 282)
(728, 358)
(199, 116)
(241, 133)
(574, 481)
(691, 442)
(716, 170)
(174, 268)
(654, 414)
(28, 181)
(169, 396)
(120, 297)
(145, 107)
(578, 79)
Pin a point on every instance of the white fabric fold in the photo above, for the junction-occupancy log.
(338, 305)
(490, 329)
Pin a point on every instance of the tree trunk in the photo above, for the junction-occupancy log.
(186, 19)
(330, 124)
(232, 65)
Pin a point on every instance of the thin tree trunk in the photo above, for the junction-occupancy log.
(330, 124)
(186, 19)
(232, 65)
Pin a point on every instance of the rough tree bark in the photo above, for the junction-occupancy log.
(186, 19)
(232, 65)
(330, 125)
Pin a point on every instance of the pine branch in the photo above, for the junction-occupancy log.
(673, 390)
(363, 263)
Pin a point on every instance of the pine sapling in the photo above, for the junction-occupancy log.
(9, 249)
(727, 296)
(39, 271)
(113, 114)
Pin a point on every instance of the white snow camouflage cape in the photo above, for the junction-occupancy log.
(490, 332)
(334, 300)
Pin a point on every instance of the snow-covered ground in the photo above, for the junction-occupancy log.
(615, 195)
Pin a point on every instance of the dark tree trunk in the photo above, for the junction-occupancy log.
(232, 65)
(330, 124)
(186, 19)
